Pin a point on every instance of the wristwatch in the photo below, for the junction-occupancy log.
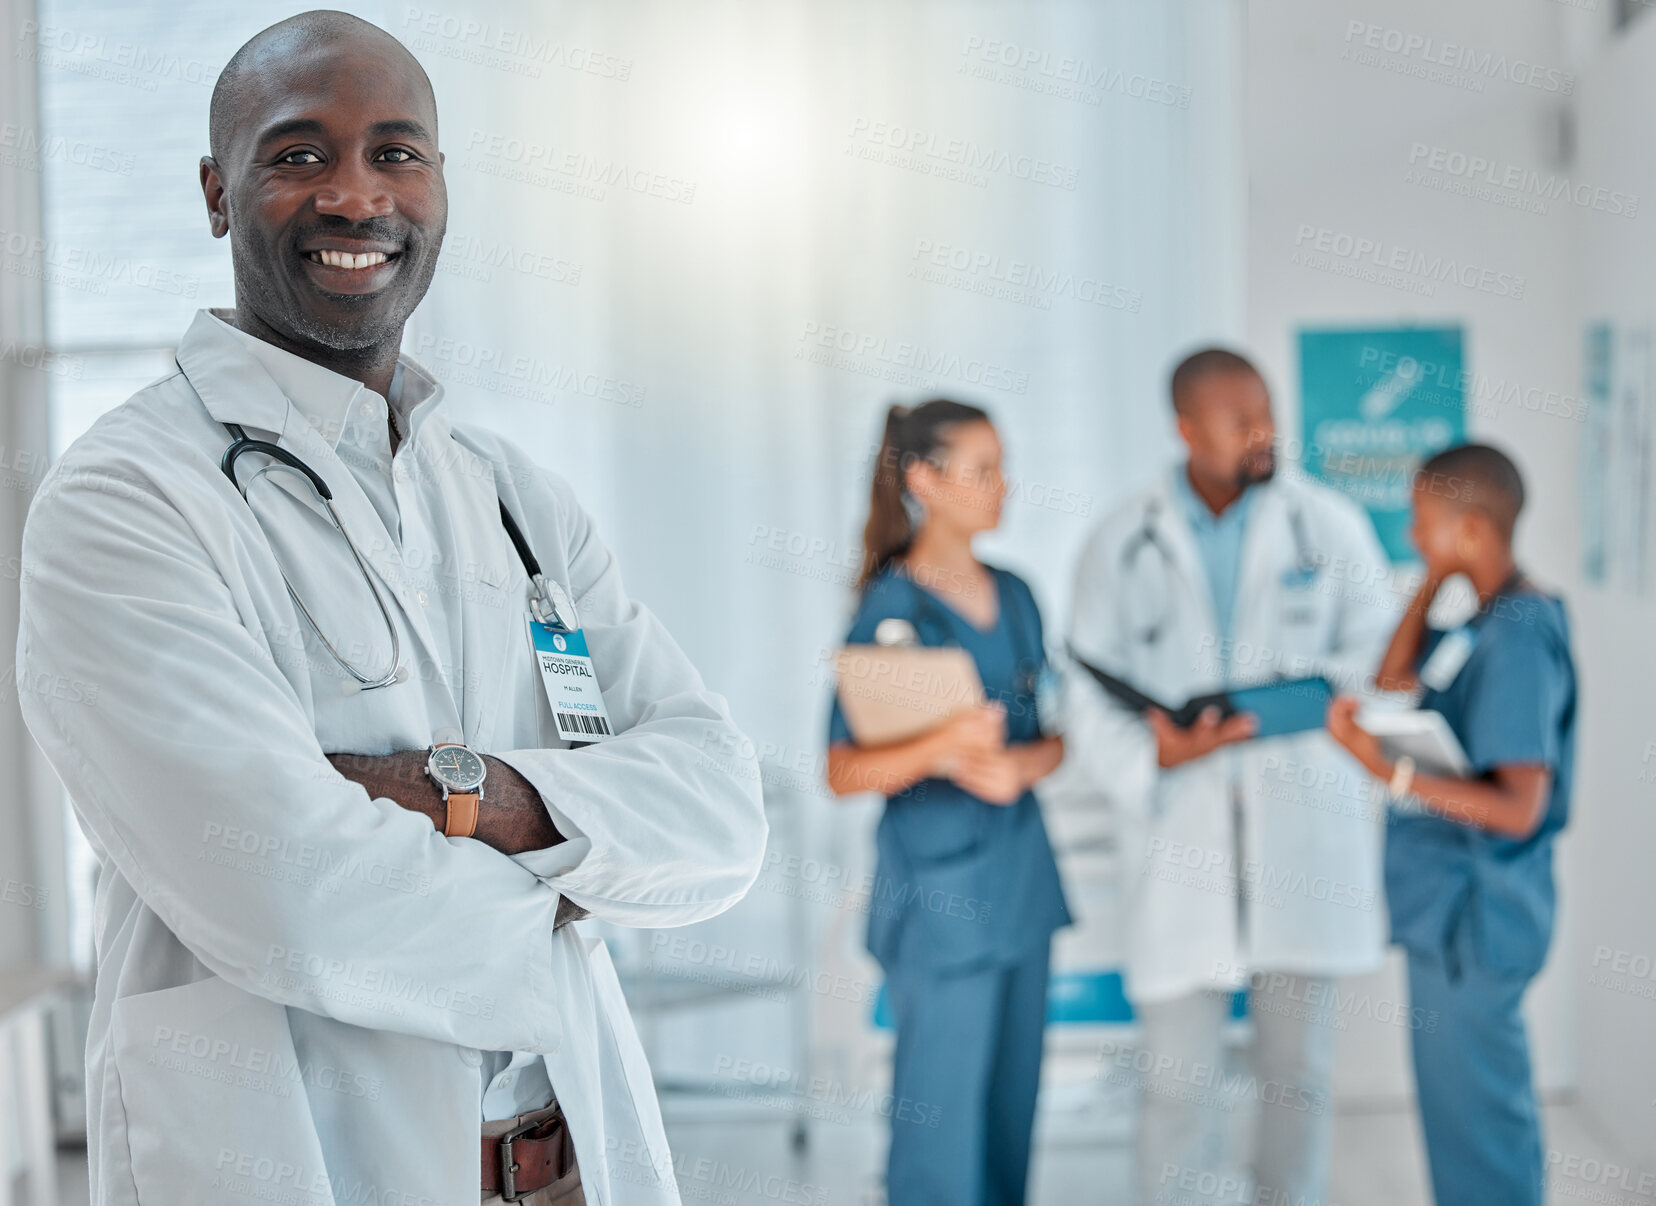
(1403, 772)
(460, 772)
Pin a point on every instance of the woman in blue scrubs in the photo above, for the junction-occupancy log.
(966, 893)
(1469, 879)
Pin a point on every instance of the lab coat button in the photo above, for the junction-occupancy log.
(504, 1080)
(471, 1056)
(367, 409)
(425, 599)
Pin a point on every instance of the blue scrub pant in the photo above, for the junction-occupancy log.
(967, 1067)
(1472, 1072)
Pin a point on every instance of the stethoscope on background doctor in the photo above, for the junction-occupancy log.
(549, 603)
(1307, 563)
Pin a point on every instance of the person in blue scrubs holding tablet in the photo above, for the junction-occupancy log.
(1469, 878)
(966, 893)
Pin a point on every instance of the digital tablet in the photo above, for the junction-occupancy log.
(1294, 705)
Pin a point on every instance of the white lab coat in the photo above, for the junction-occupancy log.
(1309, 856)
(297, 1015)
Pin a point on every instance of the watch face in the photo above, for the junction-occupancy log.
(457, 768)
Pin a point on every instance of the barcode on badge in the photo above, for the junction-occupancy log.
(581, 722)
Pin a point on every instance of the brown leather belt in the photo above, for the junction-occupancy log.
(528, 1157)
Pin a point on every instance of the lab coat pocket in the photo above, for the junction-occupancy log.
(634, 1117)
(1304, 616)
(215, 1102)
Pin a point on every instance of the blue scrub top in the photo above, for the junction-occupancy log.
(961, 882)
(1514, 701)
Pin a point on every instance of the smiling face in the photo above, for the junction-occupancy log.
(330, 186)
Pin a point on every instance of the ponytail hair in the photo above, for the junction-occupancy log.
(912, 433)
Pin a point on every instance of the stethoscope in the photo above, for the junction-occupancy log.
(549, 603)
(1306, 563)
(930, 614)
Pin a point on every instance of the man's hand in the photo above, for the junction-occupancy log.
(511, 817)
(1397, 666)
(1510, 799)
(1359, 742)
(1176, 746)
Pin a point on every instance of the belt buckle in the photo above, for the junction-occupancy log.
(508, 1167)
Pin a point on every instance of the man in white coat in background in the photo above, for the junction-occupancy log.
(344, 809)
(1249, 862)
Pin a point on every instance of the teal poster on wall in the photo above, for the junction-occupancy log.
(1374, 404)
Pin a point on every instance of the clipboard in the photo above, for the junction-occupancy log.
(891, 693)
(1289, 705)
(1419, 733)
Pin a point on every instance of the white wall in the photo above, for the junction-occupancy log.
(31, 850)
(1612, 902)
(1330, 138)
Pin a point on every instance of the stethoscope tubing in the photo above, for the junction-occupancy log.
(931, 612)
(1306, 562)
(286, 460)
(543, 604)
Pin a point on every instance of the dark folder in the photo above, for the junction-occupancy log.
(1288, 705)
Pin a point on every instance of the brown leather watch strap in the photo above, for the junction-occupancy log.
(462, 814)
(541, 1156)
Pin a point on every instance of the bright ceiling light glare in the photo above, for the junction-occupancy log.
(745, 136)
(745, 142)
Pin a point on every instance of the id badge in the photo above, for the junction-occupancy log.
(1448, 658)
(570, 682)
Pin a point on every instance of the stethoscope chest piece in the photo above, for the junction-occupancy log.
(550, 604)
(894, 630)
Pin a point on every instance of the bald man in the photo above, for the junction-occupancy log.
(376, 719)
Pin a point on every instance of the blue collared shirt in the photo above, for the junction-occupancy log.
(1219, 545)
